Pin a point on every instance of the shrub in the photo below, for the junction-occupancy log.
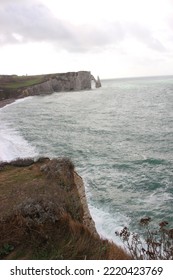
(157, 243)
(22, 162)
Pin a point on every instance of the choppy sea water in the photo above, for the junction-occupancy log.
(120, 138)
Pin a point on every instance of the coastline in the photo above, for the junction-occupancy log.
(23, 86)
(87, 219)
(5, 102)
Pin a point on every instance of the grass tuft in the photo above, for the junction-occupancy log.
(41, 214)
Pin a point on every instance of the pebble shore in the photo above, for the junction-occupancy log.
(5, 102)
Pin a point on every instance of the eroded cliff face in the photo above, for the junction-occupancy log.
(71, 81)
(14, 87)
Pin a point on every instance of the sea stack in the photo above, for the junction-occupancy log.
(98, 82)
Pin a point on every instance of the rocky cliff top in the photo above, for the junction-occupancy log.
(13, 86)
(44, 213)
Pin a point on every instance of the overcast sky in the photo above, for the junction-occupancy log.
(110, 38)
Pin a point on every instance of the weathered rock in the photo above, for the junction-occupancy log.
(97, 82)
(71, 81)
(87, 219)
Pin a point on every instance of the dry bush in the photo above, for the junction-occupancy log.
(156, 245)
(22, 162)
(38, 230)
(42, 214)
(19, 162)
(60, 170)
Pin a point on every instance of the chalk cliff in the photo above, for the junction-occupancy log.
(97, 82)
(71, 81)
(13, 86)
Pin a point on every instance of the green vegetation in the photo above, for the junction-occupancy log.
(17, 82)
(11, 86)
(22, 84)
(6, 249)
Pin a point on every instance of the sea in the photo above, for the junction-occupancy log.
(119, 137)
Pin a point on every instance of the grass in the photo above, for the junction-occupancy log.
(41, 215)
(12, 86)
(14, 82)
(17, 82)
(18, 183)
(22, 84)
(64, 239)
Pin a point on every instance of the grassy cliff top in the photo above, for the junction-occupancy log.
(12, 85)
(41, 214)
(16, 82)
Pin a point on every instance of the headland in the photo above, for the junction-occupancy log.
(13, 87)
(44, 213)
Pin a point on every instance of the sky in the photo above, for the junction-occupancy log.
(110, 38)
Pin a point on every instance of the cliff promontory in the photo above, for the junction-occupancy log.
(70, 81)
(13, 86)
(44, 213)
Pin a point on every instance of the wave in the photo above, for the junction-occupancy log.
(107, 224)
(152, 161)
(131, 165)
(16, 102)
(13, 145)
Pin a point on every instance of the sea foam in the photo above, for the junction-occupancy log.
(13, 145)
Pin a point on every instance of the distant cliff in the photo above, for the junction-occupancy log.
(97, 82)
(70, 81)
(21, 86)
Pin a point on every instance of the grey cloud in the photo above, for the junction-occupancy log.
(145, 36)
(88, 38)
(169, 23)
(33, 23)
(5, 2)
(30, 21)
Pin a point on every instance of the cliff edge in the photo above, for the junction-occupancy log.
(44, 213)
(71, 81)
(13, 86)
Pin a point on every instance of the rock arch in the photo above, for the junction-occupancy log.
(97, 82)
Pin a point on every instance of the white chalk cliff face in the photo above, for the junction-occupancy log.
(71, 81)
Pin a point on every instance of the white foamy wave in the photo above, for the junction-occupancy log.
(107, 224)
(13, 145)
(16, 102)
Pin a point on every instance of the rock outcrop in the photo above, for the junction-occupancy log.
(71, 81)
(87, 219)
(97, 82)
(14, 87)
